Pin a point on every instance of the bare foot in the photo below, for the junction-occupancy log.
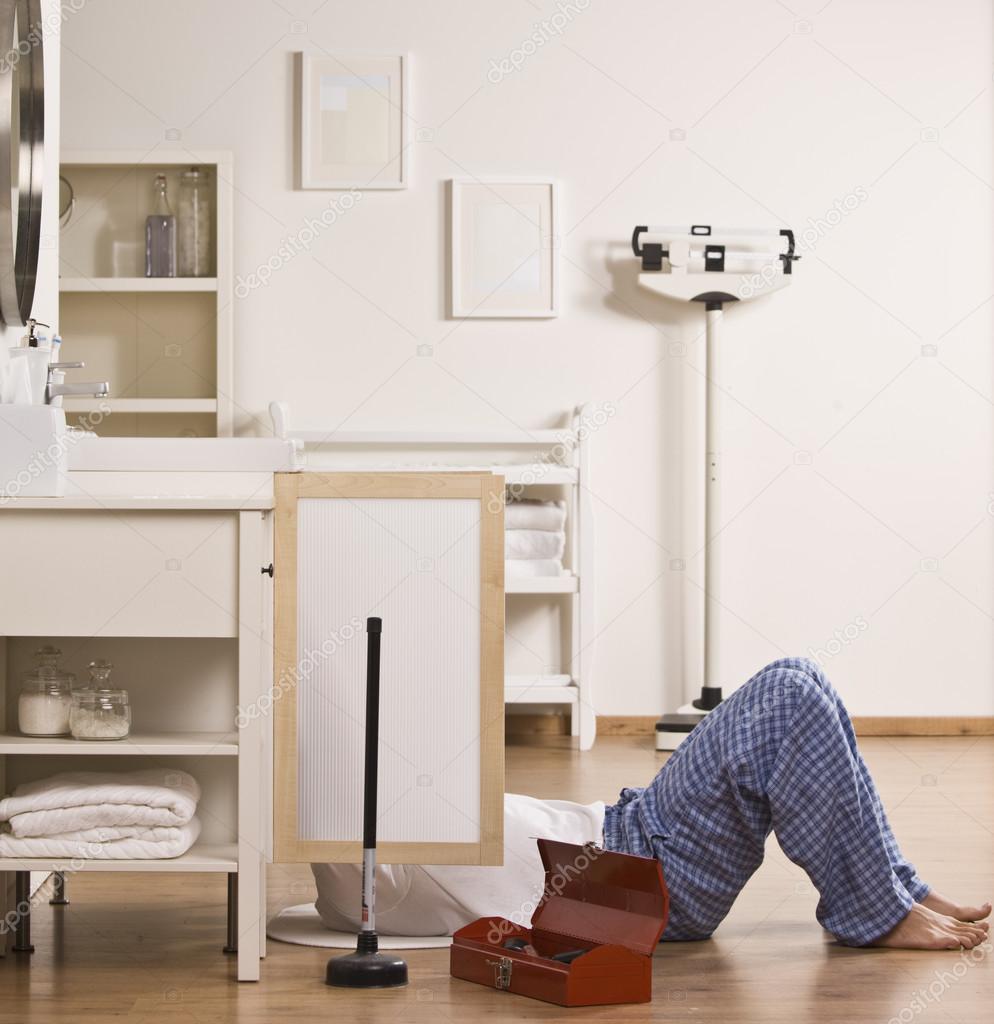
(926, 929)
(962, 913)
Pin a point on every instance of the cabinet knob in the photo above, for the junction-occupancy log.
(267, 570)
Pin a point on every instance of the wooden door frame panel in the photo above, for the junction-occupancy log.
(488, 489)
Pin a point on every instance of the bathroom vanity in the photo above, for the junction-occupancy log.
(168, 572)
(168, 576)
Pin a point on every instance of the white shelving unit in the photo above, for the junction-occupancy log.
(140, 405)
(558, 458)
(164, 344)
(188, 642)
(551, 585)
(203, 858)
(194, 744)
(137, 284)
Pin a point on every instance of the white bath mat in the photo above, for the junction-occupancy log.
(302, 926)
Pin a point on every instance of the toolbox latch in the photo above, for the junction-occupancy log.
(502, 972)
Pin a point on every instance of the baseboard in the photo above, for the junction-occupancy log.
(626, 725)
(866, 725)
(920, 725)
(529, 724)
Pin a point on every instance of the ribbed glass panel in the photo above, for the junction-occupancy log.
(415, 562)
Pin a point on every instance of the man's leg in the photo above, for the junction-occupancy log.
(827, 815)
(778, 754)
(905, 871)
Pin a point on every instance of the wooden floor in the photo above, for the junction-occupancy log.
(146, 948)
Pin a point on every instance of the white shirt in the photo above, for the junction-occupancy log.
(412, 899)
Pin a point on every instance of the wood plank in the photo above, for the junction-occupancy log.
(285, 830)
(917, 725)
(866, 725)
(492, 669)
(529, 724)
(388, 485)
(626, 725)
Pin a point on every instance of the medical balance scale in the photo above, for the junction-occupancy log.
(713, 266)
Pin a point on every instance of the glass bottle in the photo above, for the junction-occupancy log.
(194, 224)
(160, 235)
(46, 697)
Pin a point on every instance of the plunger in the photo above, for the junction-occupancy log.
(367, 967)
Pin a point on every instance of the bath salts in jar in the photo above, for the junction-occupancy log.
(100, 715)
(46, 697)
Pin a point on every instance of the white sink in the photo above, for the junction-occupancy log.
(180, 454)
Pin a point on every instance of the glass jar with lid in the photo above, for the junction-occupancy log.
(100, 715)
(46, 696)
(99, 672)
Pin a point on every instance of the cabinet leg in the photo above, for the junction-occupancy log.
(262, 909)
(59, 890)
(251, 915)
(22, 908)
(232, 944)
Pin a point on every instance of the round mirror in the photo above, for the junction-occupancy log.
(22, 135)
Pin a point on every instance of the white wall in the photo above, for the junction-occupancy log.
(859, 401)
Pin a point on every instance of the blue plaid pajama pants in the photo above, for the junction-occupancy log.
(778, 755)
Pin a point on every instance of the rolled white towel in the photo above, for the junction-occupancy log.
(526, 568)
(529, 514)
(74, 801)
(534, 544)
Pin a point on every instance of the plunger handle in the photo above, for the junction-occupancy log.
(367, 967)
(374, 627)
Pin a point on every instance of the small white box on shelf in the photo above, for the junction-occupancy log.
(33, 452)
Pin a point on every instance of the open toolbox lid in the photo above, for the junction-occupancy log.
(601, 897)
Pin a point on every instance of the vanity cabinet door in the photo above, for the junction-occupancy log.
(425, 553)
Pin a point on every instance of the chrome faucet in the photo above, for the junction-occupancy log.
(93, 389)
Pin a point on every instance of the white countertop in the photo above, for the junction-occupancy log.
(179, 454)
(163, 491)
(166, 474)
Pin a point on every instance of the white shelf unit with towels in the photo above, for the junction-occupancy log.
(555, 457)
(170, 591)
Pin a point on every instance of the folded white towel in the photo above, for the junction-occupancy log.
(131, 848)
(526, 568)
(110, 834)
(529, 514)
(534, 544)
(75, 801)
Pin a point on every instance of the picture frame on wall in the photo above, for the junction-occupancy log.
(353, 121)
(504, 249)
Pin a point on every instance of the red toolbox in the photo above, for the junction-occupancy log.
(613, 906)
